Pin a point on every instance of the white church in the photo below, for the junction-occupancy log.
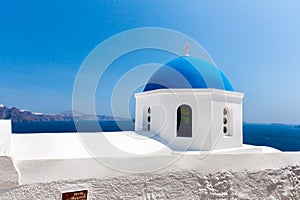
(192, 106)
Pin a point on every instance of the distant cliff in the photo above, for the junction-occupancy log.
(17, 115)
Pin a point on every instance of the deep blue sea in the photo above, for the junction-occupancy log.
(280, 136)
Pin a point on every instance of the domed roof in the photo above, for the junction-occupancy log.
(188, 72)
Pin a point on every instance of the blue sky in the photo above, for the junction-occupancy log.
(255, 43)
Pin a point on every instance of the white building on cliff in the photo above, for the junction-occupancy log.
(187, 110)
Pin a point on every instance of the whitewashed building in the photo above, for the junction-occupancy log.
(192, 106)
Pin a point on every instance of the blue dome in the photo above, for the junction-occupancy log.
(188, 72)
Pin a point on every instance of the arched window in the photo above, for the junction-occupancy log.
(184, 121)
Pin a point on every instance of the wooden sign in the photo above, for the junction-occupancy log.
(75, 195)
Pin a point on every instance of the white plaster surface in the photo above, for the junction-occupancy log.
(207, 117)
(50, 163)
(5, 135)
(103, 144)
(216, 176)
(84, 145)
(35, 171)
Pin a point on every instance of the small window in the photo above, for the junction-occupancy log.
(225, 129)
(184, 121)
(226, 122)
(225, 111)
(147, 119)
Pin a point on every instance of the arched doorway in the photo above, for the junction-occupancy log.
(184, 121)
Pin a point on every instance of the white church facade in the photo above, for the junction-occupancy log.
(192, 119)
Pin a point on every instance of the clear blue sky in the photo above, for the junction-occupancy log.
(255, 43)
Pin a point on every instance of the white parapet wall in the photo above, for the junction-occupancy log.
(5, 137)
(124, 144)
(38, 146)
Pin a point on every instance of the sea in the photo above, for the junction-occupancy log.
(280, 136)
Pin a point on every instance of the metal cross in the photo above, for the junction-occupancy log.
(186, 49)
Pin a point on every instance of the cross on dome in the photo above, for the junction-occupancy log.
(186, 49)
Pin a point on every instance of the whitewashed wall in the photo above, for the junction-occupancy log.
(207, 117)
(5, 136)
(84, 145)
